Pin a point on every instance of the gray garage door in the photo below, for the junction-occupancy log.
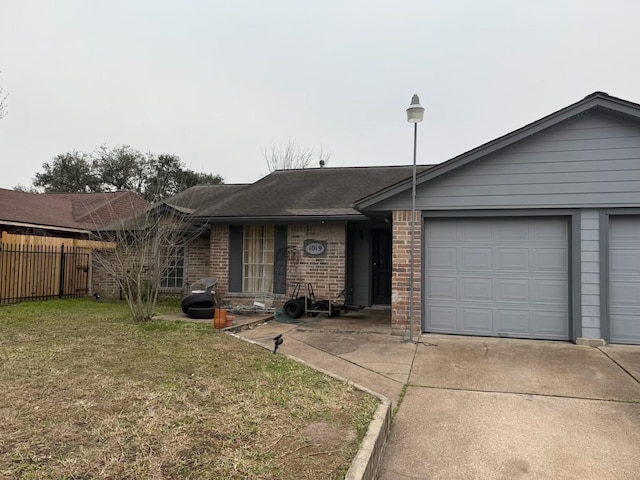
(624, 279)
(497, 277)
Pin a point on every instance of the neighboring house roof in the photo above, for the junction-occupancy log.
(78, 212)
(183, 204)
(304, 194)
(597, 101)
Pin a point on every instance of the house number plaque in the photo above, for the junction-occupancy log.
(315, 248)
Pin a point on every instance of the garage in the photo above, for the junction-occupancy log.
(506, 277)
(624, 279)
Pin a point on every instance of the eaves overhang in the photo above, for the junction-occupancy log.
(44, 227)
(284, 219)
(597, 100)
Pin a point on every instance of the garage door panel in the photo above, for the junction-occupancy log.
(475, 259)
(512, 290)
(550, 324)
(443, 319)
(551, 230)
(473, 289)
(442, 288)
(553, 292)
(474, 231)
(442, 258)
(510, 321)
(507, 272)
(625, 325)
(510, 230)
(625, 261)
(512, 260)
(442, 232)
(476, 320)
(625, 228)
(550, 260)
(624, 294)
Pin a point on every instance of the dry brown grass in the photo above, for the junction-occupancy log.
(85, 393)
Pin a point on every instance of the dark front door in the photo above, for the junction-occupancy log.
(381, 267)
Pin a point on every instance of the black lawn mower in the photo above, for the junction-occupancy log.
(304, 302)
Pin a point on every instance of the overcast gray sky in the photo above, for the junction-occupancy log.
(216, 82)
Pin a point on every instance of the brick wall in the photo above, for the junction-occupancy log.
(197, 267)
(102, 281)
(219, 255)
(327, 274)
(198, 260)
(400, 281)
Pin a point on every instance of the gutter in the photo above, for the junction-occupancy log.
(44, 227)
(285, 219)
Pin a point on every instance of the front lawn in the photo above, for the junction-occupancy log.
(85, 393)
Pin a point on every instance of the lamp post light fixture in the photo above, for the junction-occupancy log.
(415, 114)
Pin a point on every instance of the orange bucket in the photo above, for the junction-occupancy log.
(220, 318)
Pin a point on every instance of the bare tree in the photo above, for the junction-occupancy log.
(137, 253)
(290, 155)
(141, 249)
(3, 103)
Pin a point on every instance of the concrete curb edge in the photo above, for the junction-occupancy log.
(365, 464)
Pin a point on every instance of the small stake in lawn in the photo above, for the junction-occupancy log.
(277, 341)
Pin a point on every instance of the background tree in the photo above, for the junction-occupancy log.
(69, 172)
(290, 155)
(120, 168)
(22, 188)
(169, 178)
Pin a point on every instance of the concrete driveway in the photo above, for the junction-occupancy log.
(483, 408)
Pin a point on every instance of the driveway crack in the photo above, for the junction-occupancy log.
(528, 394)
(620, 365)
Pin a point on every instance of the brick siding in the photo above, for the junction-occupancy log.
(102, 281)
(198, 260)
(400, 281)
(219, 254)
(327, 274)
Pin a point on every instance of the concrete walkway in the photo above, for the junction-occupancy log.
(483, 408)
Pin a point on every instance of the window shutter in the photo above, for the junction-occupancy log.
(235, 258)
(280, 259)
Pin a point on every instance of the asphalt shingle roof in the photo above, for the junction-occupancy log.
(83, 211)
(307, 192)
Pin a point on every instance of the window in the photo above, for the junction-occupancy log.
(173, 276)
(257, 259)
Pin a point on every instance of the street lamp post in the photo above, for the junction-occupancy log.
(415, 114)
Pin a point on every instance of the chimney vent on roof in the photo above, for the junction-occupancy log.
(321, 163)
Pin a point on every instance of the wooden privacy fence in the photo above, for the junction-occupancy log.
(38, 268)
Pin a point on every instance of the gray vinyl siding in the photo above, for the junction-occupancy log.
(590, 267)
(589, 161)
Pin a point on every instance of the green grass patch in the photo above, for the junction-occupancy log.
(403, 392)
(86, 393)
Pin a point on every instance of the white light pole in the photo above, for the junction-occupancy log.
(415, 114)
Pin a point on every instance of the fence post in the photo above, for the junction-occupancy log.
(61, 290)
